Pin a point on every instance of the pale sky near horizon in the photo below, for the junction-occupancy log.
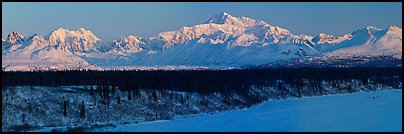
(109, 20)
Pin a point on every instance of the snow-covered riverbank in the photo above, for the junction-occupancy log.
(363, 111)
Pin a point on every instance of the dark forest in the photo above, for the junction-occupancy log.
(206, 81)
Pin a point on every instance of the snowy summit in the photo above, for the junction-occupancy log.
(222, 41)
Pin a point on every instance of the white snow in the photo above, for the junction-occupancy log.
(371, 41)
(379, 111)
(62, 35)
(128, 45)
(224, 40)
(13, 37)
(324, 38)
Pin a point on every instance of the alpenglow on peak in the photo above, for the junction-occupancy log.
(224, 40)
(219, 18)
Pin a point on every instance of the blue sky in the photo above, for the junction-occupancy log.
(109, 21)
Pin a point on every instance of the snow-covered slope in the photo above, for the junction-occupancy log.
(369, 41)
(379, 111)
(61, 49)
(128, 45)
(324, 38)
(75, 41)
(237, 31)
(14, 37)
(223, 40)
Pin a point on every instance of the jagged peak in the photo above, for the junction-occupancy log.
(323, 35)
(366, 30)
(131, 39)
(219, 18)
(393, 27)
(223, 14)
(225, 18)
(61, 34)
(36, 36)
(393, 30)
(82, 29)
(61, 28)
(15, 35)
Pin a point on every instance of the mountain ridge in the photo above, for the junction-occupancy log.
(223, 40)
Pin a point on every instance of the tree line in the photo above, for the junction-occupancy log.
(203, 81)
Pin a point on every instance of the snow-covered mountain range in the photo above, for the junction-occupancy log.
(222, 41)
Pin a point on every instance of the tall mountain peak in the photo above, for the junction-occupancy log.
(63, 35)
(220, 18)
(393, 27)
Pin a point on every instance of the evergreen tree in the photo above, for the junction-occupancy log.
(23, 118)
(99, 90)
(82, 110)
(181, 99)
(108, 97)
(91, 90)
(119, 99)
(65, 108)
(129, 95)
(95, 100)
(154, 95)
(113, 89)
